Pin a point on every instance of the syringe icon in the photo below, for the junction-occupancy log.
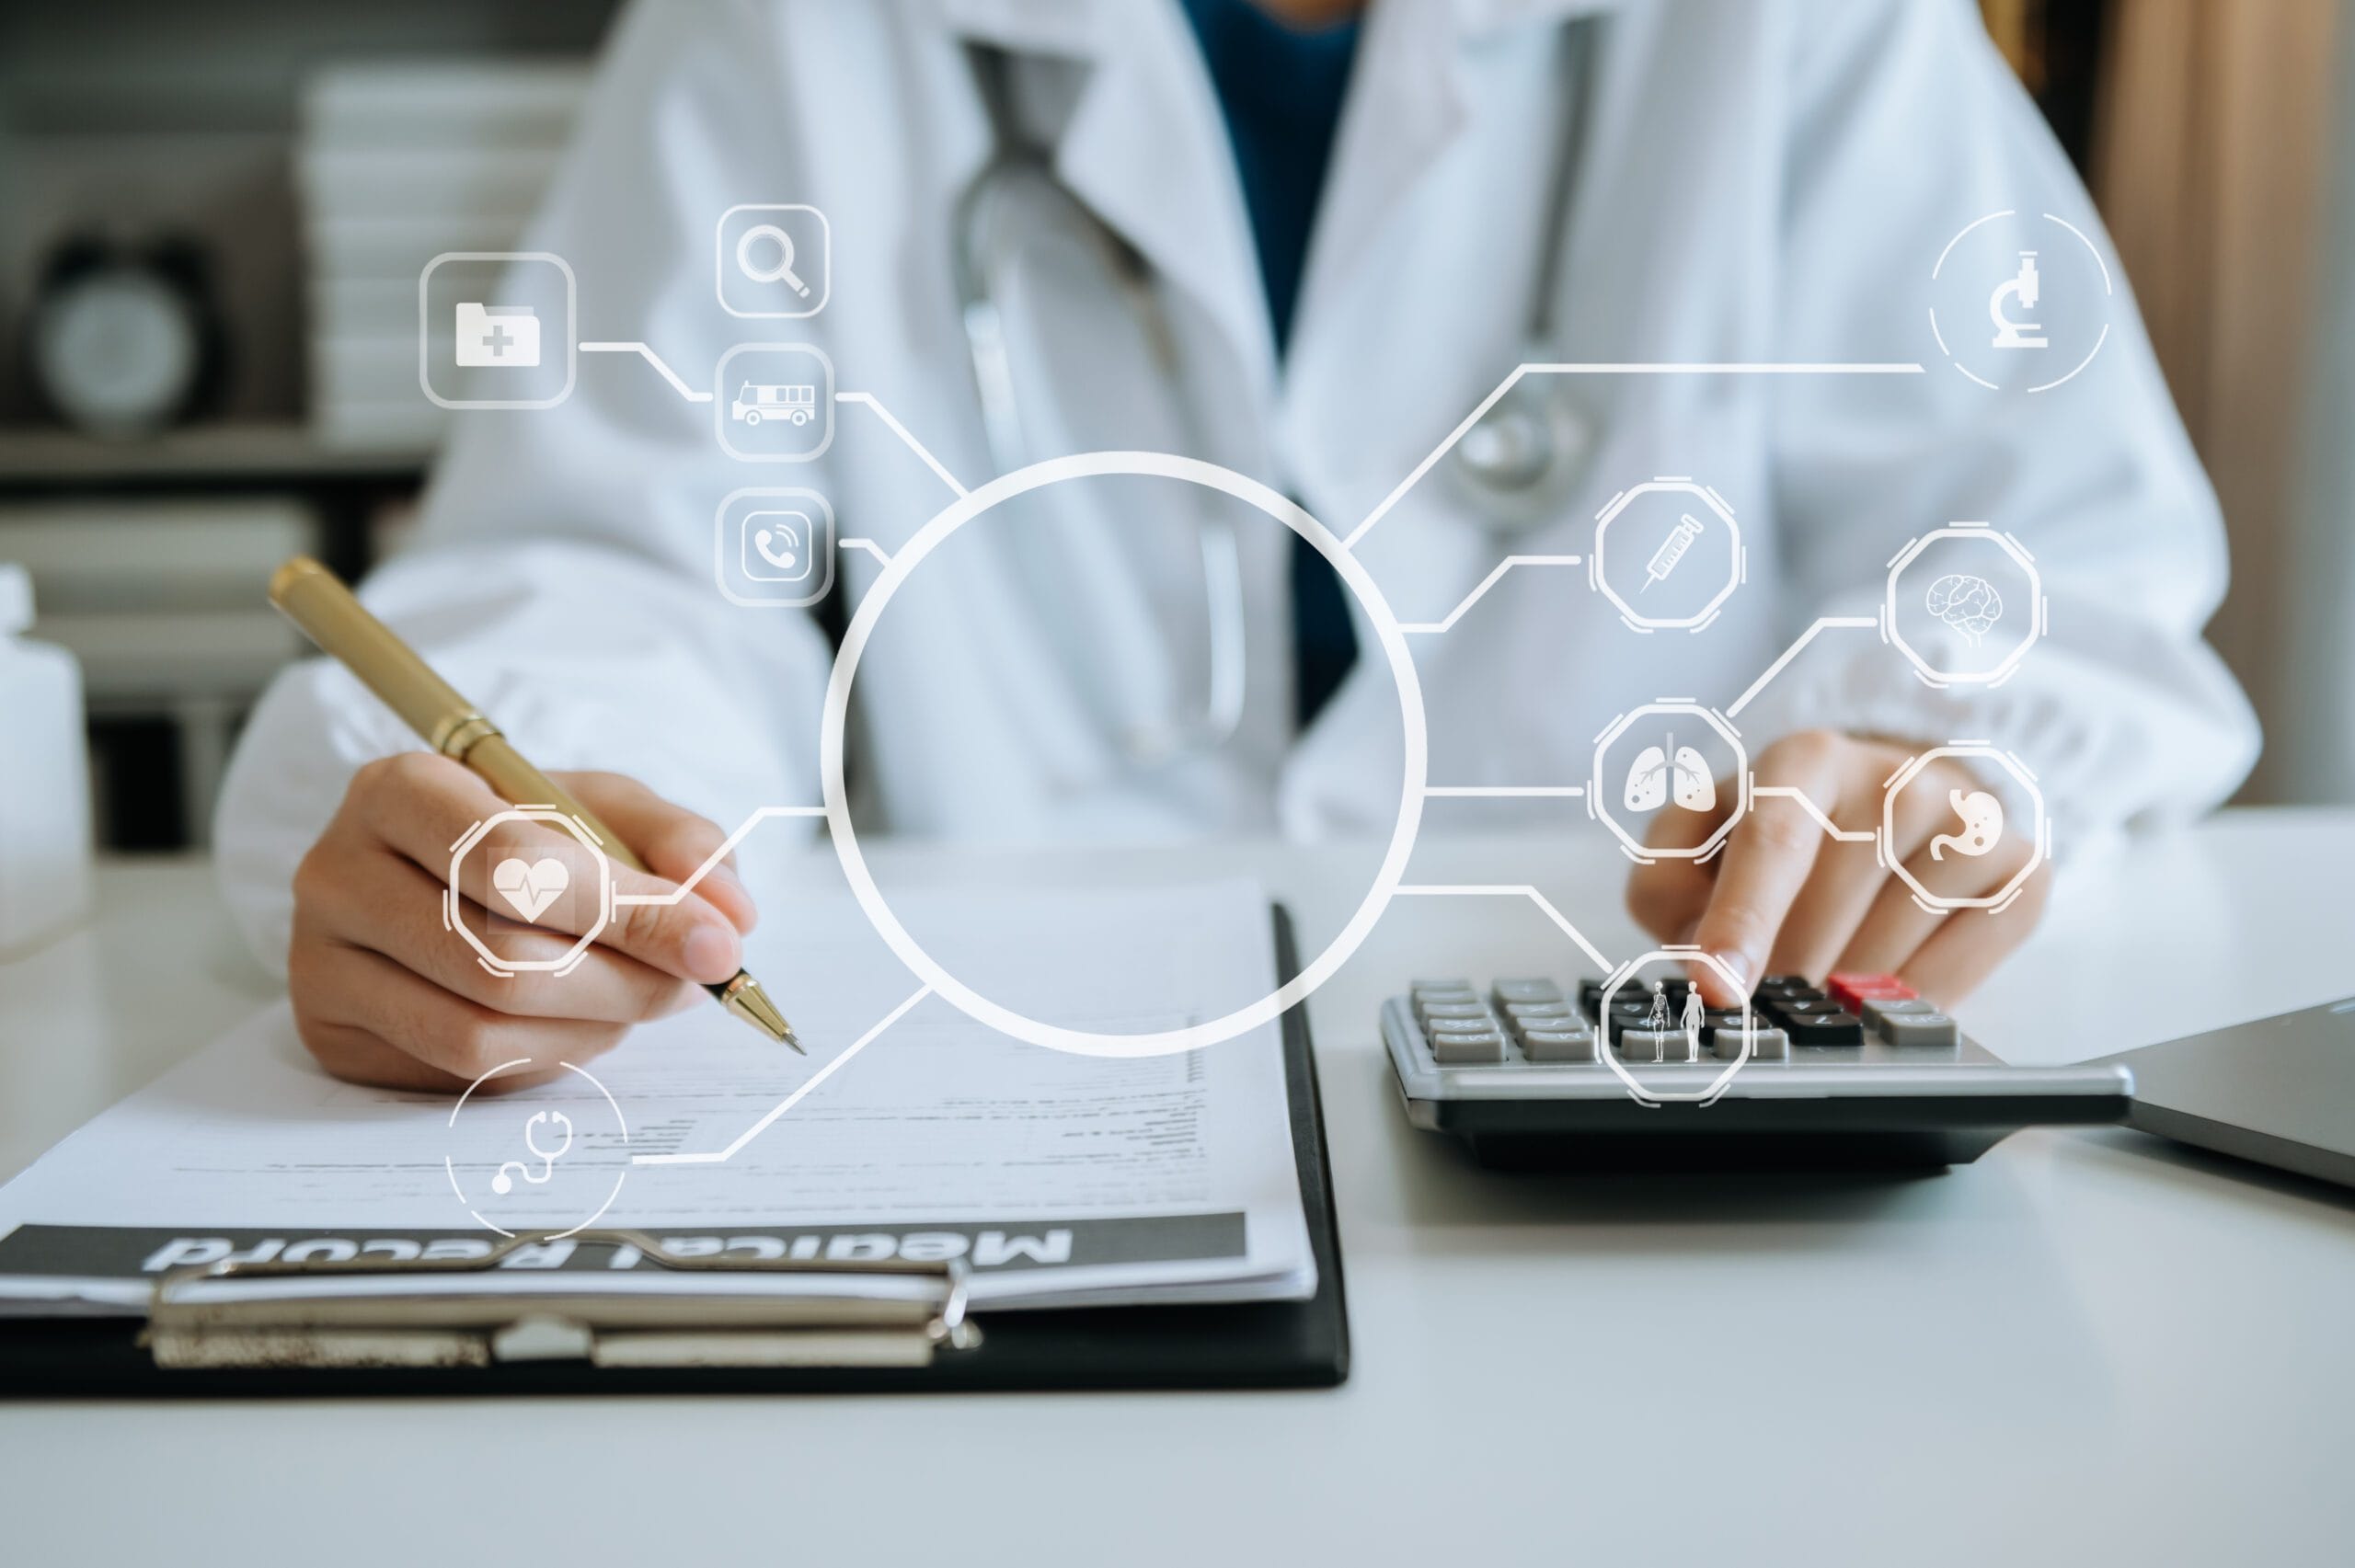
(1672, 549)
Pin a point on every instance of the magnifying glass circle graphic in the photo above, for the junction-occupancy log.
(781, 273)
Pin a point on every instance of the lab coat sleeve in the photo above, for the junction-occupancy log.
(1905, 126)
(562, 573)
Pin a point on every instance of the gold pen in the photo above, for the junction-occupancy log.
(315, 600)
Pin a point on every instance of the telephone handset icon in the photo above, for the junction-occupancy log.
(777, 547)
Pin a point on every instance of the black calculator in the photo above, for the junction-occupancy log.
(1855, 1071)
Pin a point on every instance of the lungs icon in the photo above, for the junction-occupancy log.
(1660, 770)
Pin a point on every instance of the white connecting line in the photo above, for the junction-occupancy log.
(791, 1100)
(1868, 623)
(1508, 564)
(902, 431)
(1507, 792)
(722, 852)
(1598, 368)
(871, 547)
(1503, 890)
(678, 386)
(651, 358)
(1787, 792)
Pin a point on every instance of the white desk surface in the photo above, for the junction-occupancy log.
(2086, 1348)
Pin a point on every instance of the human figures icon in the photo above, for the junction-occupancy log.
(1693, 1017)
(503, 1182)
(1658, 1018)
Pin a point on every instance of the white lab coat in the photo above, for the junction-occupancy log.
(1765, 181)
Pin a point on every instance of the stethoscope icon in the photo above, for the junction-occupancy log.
(503, 1182)
(783, 272)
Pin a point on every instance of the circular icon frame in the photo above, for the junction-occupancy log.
(1144, 464)
(2108, 289)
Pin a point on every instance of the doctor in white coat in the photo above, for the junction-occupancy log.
(1763, 181)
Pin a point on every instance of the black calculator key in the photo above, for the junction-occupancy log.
(1838, 1027)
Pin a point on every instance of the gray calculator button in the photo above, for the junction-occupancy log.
(1650, 1045)
(1435, 988)
(1919, 1029)
(1434, 1011)
(1535, 1013)
(1478, 1023)
(1765, 1045)
(1558, 1045)
(1490, 1047)
(1873, 1012)
(1527, 991)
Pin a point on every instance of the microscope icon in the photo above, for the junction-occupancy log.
(2026, 287)
(503, 1182)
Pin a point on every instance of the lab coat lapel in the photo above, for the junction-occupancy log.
(1406, 104)
(1145, 150)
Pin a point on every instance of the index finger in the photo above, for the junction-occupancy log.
(1767, 861)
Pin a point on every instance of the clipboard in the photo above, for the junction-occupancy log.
(926, 1344)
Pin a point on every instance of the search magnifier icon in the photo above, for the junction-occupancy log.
(782, 270)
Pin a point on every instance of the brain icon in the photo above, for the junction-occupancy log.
(1971, 605)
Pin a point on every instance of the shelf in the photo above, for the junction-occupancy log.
(209, 454)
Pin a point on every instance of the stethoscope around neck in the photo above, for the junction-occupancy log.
(1511, 471)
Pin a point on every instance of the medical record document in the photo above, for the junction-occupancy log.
(910, 1131)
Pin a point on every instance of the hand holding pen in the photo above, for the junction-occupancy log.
(384, 994)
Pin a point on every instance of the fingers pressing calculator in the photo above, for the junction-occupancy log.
(1860, 1070)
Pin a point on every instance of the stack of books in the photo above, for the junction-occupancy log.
(394, 165)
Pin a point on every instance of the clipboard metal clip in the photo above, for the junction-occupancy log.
(250, 1315)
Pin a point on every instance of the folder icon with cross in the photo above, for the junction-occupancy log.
(494, 336)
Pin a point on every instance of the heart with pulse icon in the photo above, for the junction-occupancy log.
(530, 886)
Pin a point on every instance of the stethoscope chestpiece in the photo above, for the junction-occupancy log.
(1519, 461)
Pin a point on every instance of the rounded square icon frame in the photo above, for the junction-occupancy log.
(2041, 850)
(1600, 579)
(2036, 606)
(721, 400)
(1678, 954)
(425, 330)
(720, 256)
(566, 962)
(1645, 855)
(720, 553)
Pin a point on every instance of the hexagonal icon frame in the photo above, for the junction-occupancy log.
(1679, 953)
(2036, 608)
(566, 962)
(1643, 854)
(1737, 561)
(2042, 849)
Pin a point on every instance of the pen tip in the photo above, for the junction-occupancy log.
(748, 1001)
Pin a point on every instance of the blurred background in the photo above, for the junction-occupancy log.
(212, 219)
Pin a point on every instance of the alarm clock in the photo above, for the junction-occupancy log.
(125, 339)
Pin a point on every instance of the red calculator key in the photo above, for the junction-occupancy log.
(1851, 990)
